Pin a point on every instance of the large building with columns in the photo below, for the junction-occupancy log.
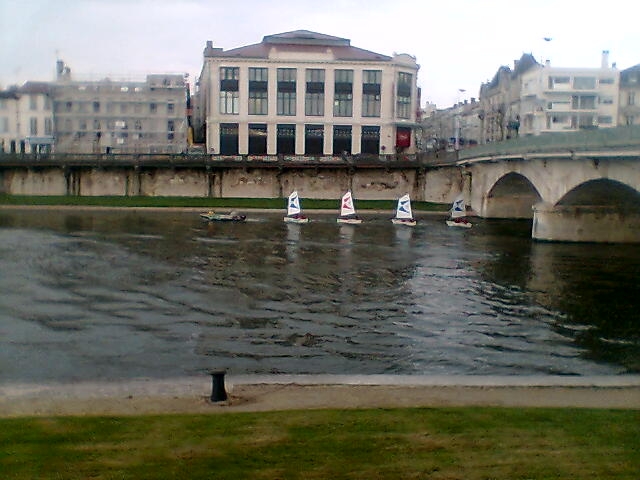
(305, 93)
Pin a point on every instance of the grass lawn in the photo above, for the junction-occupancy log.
(441, 443)
(237, 203)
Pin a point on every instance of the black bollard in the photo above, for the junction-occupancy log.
(218, 393)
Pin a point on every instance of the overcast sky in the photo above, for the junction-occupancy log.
(458, 44)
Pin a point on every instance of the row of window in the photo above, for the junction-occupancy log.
(119, 125)
(286, 99)
(111, 107)
(578, 121)
(286, 139)
(33, 126)
(578, 83)
(121, 137)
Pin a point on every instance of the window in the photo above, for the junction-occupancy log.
(171, 108)
(631, 98)
(314, 96)
(33, 126)
(286, 91)
(33, 102)
(153, 108)
(313, 139)
(629, 119)
(584, 83)
(371, 81)
(257, 139)
(4, 125)
(605, 120)
(583, 102)
(370, 140)
(343, 93)
(403, 92)
(48, 126)
(606, 81)
(559, 81)
(96, 107)
(258, 88)
(68, 106)
(286, 139)
(96, 124)
(138, 125)
(229, 90)
(124, 107)
(229, 139)
(341, 139)
(171, 128)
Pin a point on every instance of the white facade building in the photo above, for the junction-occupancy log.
(26, 119)
(564, 99)
(305, 93)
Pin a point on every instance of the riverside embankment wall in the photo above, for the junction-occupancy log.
(433, 184)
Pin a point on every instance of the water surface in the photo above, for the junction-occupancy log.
(92, 295)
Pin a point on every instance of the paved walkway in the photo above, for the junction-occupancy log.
(293, 392)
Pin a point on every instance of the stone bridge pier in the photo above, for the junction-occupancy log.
(576, 197)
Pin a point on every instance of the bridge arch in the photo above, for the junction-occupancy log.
(603, 192)
(512, 196)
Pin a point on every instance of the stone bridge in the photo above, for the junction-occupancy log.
(575, 187)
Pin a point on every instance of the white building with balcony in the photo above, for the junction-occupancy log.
(557, 99)
(305, 93)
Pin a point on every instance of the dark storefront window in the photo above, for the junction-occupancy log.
(229, 139)
(286, 139)
(257, 139)
(341, 139)
(370, 140)
(313, 139)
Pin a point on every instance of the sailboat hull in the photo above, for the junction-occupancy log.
(349, 221)
(296, 220)
(410, 222)
(451, 223)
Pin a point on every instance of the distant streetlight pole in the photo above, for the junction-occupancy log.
(457, 119)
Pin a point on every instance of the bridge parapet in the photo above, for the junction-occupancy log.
(627, 137)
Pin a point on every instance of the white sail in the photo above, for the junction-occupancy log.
(346, 207)
(458, 208)
(293, 205)
(404, 207)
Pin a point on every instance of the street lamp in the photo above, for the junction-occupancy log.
(457, 119)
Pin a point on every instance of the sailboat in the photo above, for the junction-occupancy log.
(458, 213)
(348, 211)
(294, 211)
(403, 212)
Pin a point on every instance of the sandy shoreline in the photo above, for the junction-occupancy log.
(270, 393)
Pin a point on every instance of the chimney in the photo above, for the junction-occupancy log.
(605, 59)
(59, 68)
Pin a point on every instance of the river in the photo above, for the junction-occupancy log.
(122, 294)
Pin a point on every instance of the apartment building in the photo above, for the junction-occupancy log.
(500, 101)
(120, 116)
(555, 99)
(629, 98)
(306, 93)
(26, 119)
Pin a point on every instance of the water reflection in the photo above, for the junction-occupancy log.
(125, 294)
